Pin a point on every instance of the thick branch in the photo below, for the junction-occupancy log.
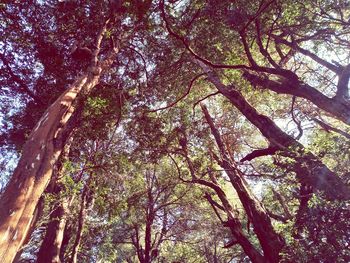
(339, 109)
(308, 53)
(329, 128)
(343, 84)
(258, 153)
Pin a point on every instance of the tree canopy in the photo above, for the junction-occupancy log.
(174, 131)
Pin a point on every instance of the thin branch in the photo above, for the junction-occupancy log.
(308, 53)
(143, 60)
(202, 99)
(210, 200)
(182, 97)
(282, 72)
(297, 122)
(329, 128)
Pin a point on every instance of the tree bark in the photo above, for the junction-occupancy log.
(270, 241)
(51, 246)
(234, 224)
(66, 238)
(39, 156)
(309, 168)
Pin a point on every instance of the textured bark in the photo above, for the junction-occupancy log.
(39, 156)
(270, 241)
(37, 215)
(309, 169)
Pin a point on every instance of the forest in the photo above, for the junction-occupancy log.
(174, 131)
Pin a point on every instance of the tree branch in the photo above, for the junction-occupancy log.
(258, 153)
(343, 84)
(329, 128)
(308, 53)
(182, 97)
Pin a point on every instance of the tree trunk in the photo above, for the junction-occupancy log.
(51, 245)
(66, 238)
(148, 241)
(37, 215)
(84, 205)
(309, 168)
(232, 220)
(234, 224)
(39, 156)
(270, 241)
(50, 249)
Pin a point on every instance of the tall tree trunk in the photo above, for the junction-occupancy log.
(234, 224)
(86, 195)
(37, 215)
(270, 241)
(51, 245)
(39, 156)
(309, 169)
(148, 237)
(66, 238)
(50, 249)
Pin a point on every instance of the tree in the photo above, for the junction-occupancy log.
(234, 114)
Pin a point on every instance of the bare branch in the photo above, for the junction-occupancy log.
(329, 128)
(258, 153)
(182, 97)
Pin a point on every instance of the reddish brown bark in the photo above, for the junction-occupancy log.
(39, 156)
(51, 246)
